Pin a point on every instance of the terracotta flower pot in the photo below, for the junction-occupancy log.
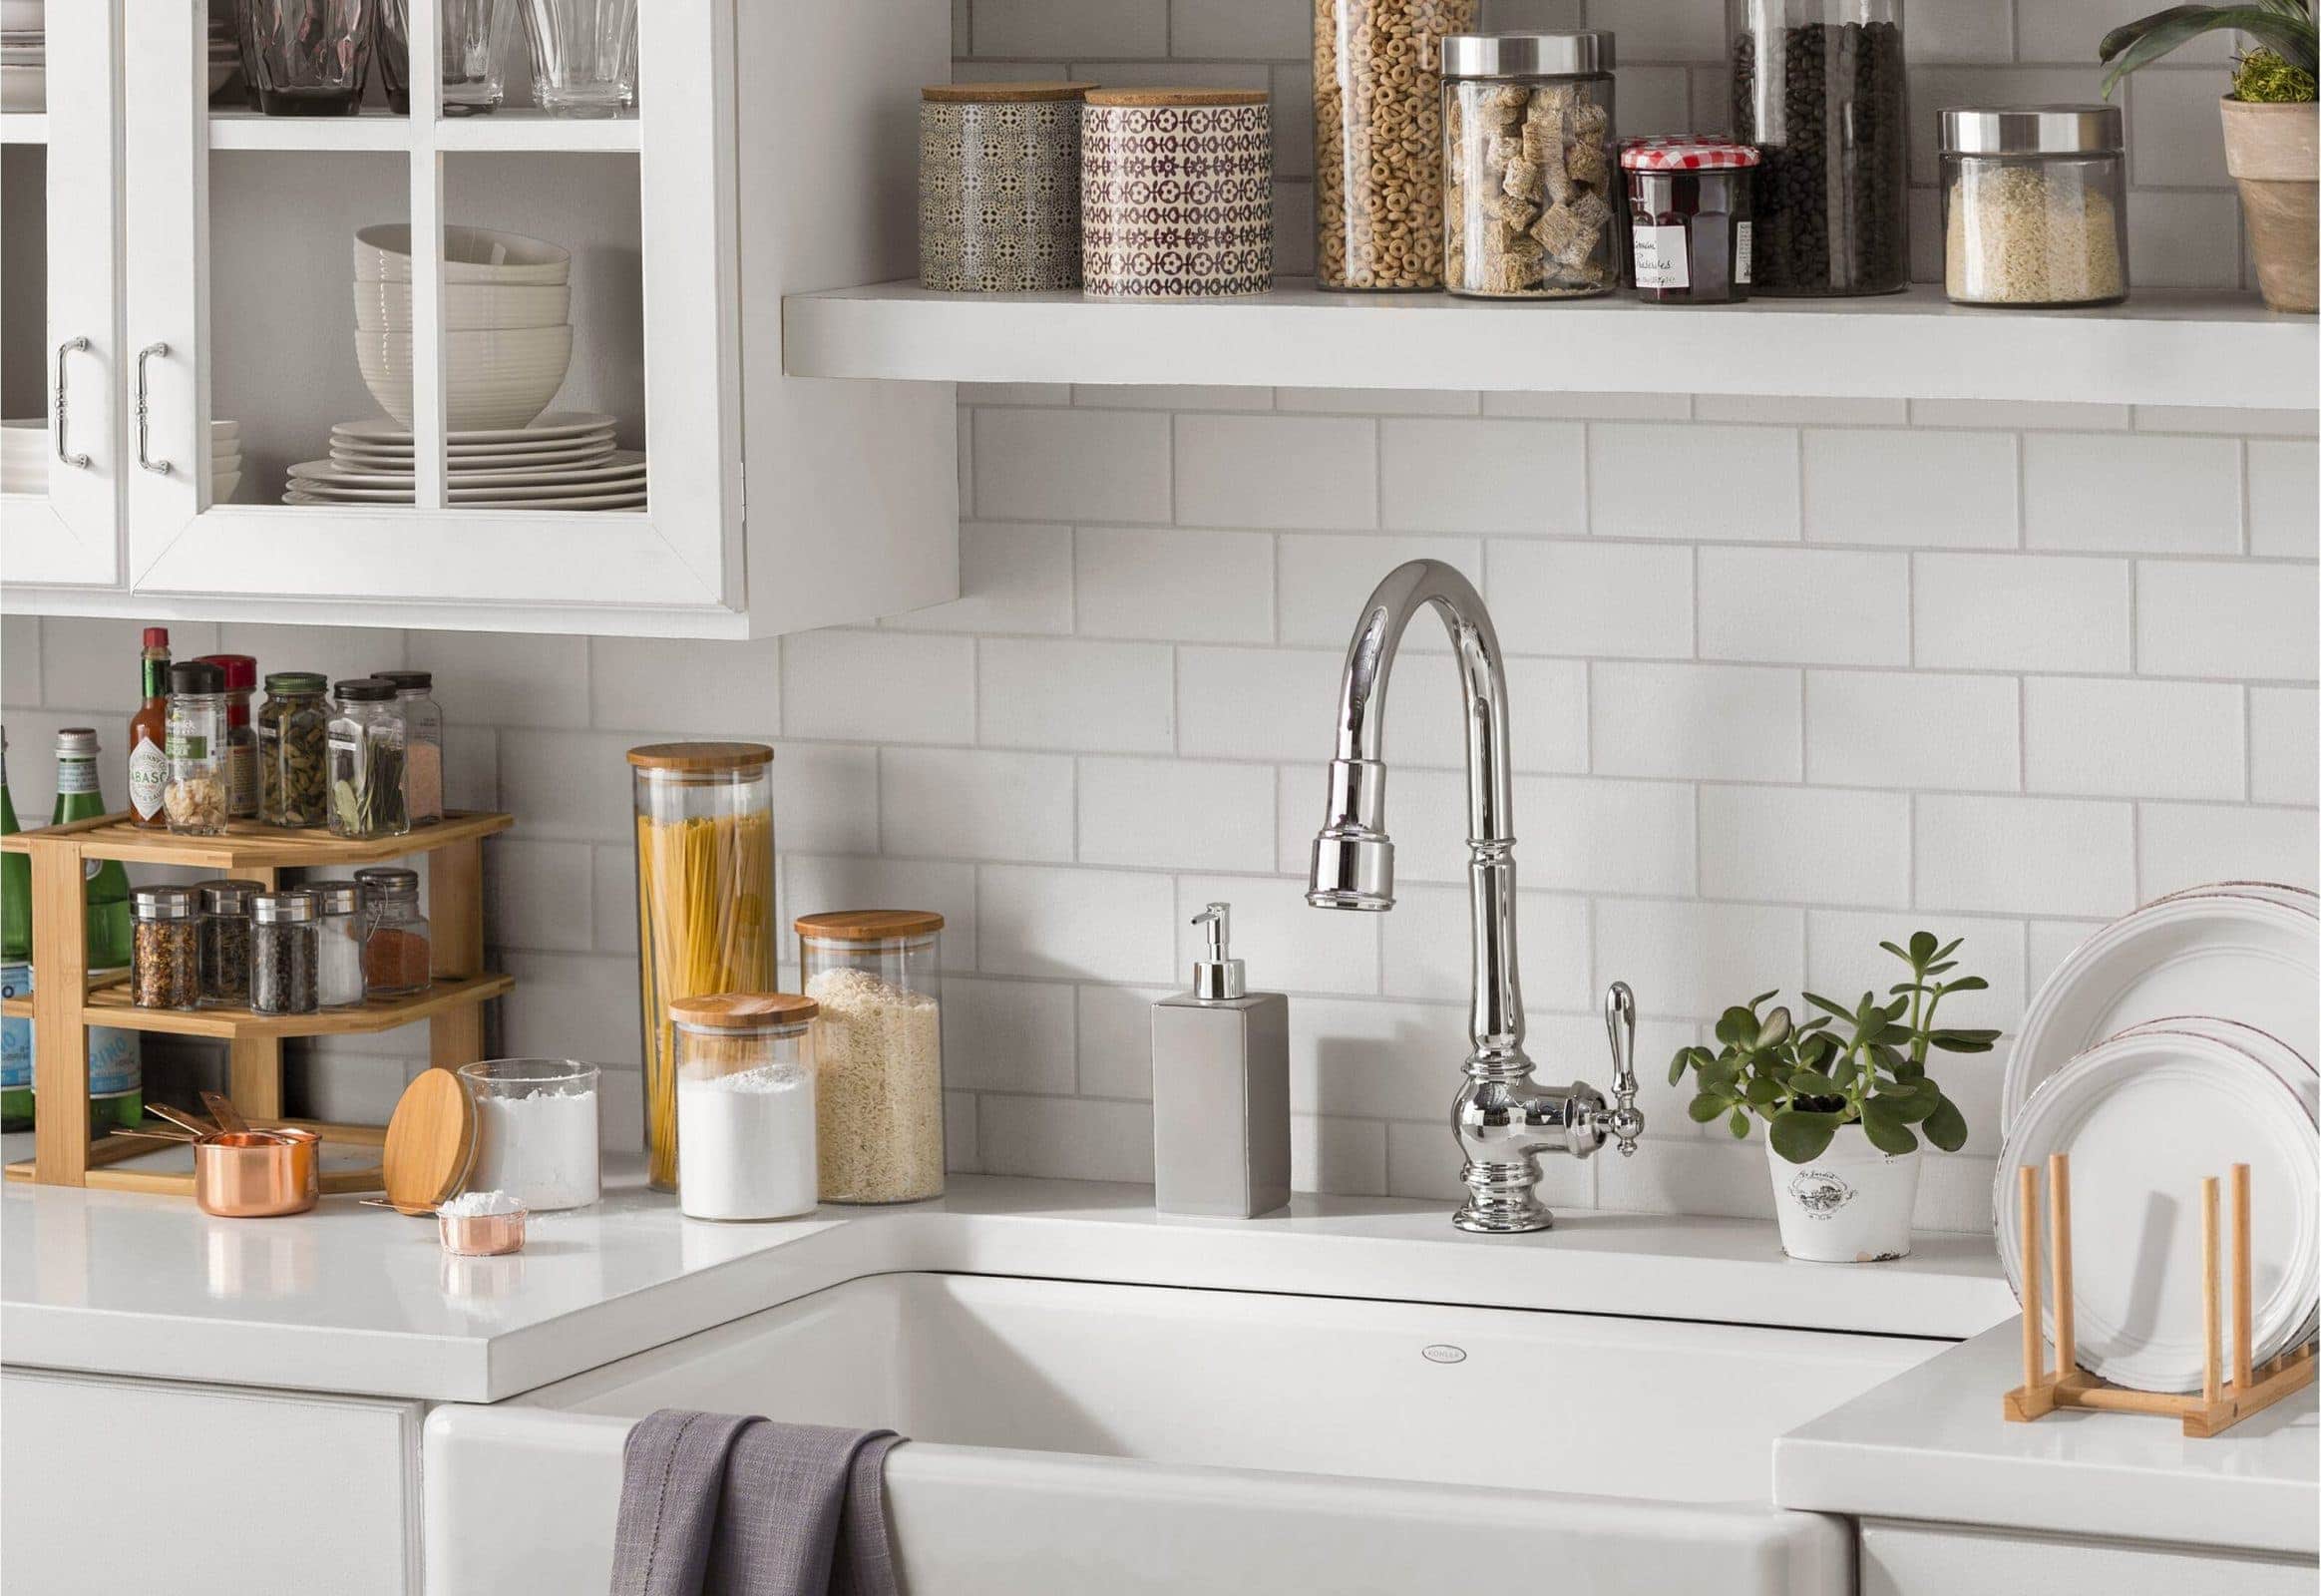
(2270, 150)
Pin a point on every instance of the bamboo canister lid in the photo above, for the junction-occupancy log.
(1176, 97)
(996, 94)
(700, 755)
(743, 1010)
(869, 925)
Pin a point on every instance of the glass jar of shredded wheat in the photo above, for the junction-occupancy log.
(704, 901)
(2035, 206)
(878, 1077)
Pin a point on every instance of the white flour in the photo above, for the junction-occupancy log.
(745, 1143)
(539, 1149)
(479, 1204)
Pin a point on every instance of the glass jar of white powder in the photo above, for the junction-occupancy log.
(878, 1051)
(745, 1105)
(535, 1131)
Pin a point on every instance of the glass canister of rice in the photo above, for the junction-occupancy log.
(704, 901)
(878, 978)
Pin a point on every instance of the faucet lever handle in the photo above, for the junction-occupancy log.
(1625, 1122)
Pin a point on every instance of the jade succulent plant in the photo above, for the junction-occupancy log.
(1865, 1065)
(2279, 70)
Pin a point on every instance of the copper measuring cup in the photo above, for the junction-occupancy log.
(258, 1174)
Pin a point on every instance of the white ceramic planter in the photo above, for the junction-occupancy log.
(1850, 1205)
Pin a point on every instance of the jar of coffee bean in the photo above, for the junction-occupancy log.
(1818, 88)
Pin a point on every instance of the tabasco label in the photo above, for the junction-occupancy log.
(148, 771)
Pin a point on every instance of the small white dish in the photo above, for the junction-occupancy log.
(382, 253)
(592, 452)
(222, 484)
(23, 87)
(617, 500)
(556, 424)
(467, 306)
(493, 379)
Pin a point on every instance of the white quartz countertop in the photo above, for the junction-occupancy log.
(1930, 1444)
(363, 1300)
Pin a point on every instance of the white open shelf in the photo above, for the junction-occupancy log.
(503, 130)
(2159, 348)
(23, 127)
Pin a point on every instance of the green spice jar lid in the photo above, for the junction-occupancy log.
(296, 681)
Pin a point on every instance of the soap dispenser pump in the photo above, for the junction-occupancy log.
(1220, 1088)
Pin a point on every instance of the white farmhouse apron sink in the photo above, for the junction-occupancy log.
(1137, 1438)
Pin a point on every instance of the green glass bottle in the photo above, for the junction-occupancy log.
(15, 965)
(116, 1085)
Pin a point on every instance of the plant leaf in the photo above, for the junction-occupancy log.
(1886, 1129)
(1775, 1029)
(1845, 1072)
(1799, 1134)
(1896, 951)
(1967, 983)
(1963, 1042)
(2141, 43)
(1737, 1027)
(1705, 1107)
(1922, 945)
(1762, 1093)
(1739, 1123)
(1811, 1083)
(1946, 1126)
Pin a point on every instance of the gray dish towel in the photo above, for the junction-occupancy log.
(717, 1504)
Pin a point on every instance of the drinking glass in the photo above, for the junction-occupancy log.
(583, 56)
(472, 34)
(311, 56)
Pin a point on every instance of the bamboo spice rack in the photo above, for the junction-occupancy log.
(2219, 1404)
(65, 1002)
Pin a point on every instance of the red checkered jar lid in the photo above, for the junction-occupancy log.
(1685, 154)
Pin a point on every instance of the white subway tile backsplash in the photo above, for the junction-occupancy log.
(2187, 242)
(866, 686)
(2281, 744)
(540, 895)
(1692, 961)
(1799, 409)
(1258, 703)
(2021, 414)
(1660, 30)
(817, 884)
(1066, 1138)
(1379, 1061)
(1100, 697)
(1116, 1039)
(1012, 578)
(1337, 1155)
(1168, 813)
(568, 784)
(1966, 30)
(1739, 721)
(1326, 579)
(1073, 464)
(1805, 845)
(630, 680)
(973, 803)
(1237, 29)
(1428, 954)
(1286, 943)
(1593, 599)
(1275, 470)
(1379, 401)
(2018, 613)
(1483, 476)
(1821, 606)
(20, 660)
(2221, 618)
(1954, 489)
(1891, 729)
(1631, 464)
(1087, 925)
(1588, 834)
(85, 662)
(826, 797)
(341, 651)
(1054, 28)
(1191, 586)
(2184, 845)
(2129, 739)
(2138, 493)
(1007, 1036)
(1591, 406)
(1843, 960)
(2024, 856)
(501, 680)
(2284, 486)
(2175, 139)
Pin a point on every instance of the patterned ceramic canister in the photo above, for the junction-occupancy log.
(1176, 194)
(999, 187)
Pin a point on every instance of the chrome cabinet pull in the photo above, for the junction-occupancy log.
(160, 467)
(69, 346)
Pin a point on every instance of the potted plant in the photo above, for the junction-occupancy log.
(2269, 137)
(1839, 1094)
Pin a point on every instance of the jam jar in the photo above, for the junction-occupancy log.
(1689, 219)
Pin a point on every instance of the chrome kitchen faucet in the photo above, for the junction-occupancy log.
(1502, 1118)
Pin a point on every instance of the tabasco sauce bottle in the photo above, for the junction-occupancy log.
(149, 765)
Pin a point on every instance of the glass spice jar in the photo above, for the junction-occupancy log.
(241, 740)
(338, 943)
(1689, 219)
(879, 1068)
(366, 743)
(397, 955)
(422, 744)
(194, 742)
(293, 727)
(745, 1105)
(165, 948)
(282, 953)
(225, 923)
(2035, 206)
(1529, 176)
(1378, 127)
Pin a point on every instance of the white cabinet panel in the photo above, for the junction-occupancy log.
(1910, 1559)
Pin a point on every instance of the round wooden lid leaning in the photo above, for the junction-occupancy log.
(700, 755)
(431, 1142)
(996, 94)
(1176, 97)
(870, 925)
(742, 1010)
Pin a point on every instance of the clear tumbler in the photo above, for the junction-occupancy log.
(583, 56)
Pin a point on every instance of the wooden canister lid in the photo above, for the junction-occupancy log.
(1176, 97)
(743, 1010)
(870, 925)
(993, 94)
(700, 755)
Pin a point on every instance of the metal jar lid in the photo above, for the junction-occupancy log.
(77, 742)
(228, 896)
(2033, 131)
(336, 897)
(162, 902)
(1525, 55)
(293, 906)
(388, 881)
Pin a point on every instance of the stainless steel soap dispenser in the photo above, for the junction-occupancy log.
(1219, 1088)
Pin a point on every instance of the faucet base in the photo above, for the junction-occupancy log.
(1501, 1200)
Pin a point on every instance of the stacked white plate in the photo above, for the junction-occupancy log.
(506, 324)
(563, 461)
(24, 456)
(2177, 1041)
(22, 56)
(225, 460)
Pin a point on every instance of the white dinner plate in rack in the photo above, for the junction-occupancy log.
(2146, 1117)
(588, 452)
(624, 465)
(607, 500)
(602, 438)
(556, 424)
(2297, 898)
(2250, 958)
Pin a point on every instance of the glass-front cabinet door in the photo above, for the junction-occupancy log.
(439, 339)
(61, 460)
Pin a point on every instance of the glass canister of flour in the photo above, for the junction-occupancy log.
(745, 1105)
(878, 1053)
(535, 1131)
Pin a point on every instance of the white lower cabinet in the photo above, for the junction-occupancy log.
(116, 1485)
(1901, 1558)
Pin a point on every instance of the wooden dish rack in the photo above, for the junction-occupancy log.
(65, 1001)
(2219, 1404)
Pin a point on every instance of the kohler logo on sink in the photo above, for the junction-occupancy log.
(1444, 1352)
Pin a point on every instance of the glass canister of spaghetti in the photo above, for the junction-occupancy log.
(1689, 219)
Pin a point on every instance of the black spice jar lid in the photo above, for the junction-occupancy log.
(406, 680)
(196, 676)
(365, 690)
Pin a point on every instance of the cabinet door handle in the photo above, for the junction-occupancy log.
(142, 355)
(69, 346)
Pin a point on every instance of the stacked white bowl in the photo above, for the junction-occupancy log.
(507, 324)
(225, 460)
(22, 56)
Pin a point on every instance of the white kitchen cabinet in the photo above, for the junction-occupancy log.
(774, 150)
(1905, 1558)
